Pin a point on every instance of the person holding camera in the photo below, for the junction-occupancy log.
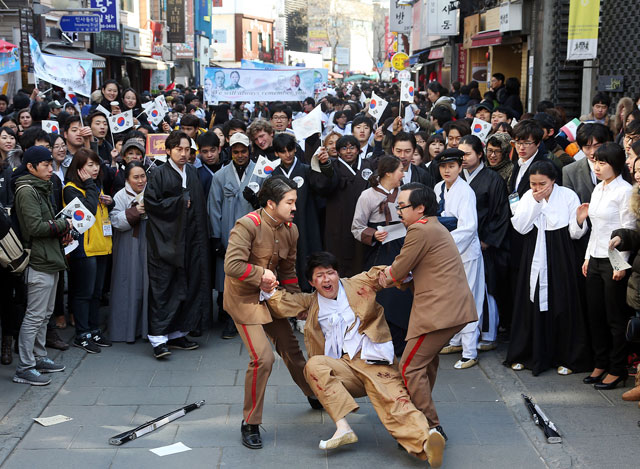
(44, 235)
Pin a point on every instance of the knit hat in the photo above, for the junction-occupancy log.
(134, 143)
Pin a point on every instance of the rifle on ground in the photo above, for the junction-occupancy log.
(152, 425)
(541, 420)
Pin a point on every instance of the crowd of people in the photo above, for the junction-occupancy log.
(533, 213)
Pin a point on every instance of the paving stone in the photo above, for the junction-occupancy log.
(226, 394)
(90, 377)
(143, 458)
(214, 377)
(235, 457)
(143, 395)
(282, 413)
(77, 395)
(59, 459)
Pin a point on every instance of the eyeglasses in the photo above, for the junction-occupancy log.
(631, 138)
(400, 208)
(349, 147)
(493, 152)
(519, 143)
(279, 118)
(59, 147)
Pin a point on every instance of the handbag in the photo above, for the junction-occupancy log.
(633, 329)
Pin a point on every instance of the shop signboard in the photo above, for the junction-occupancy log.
(443, 17)
(400, 61)
(613, 83)
(471, 28)
(176, 22)
(136, 41)
(156, 40)
(510, 17)
(107, 43)
(462, 63)
(109, 14)
(400, 17)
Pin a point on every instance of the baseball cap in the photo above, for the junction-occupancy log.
(55, 104)
(134, 143)
(239, 137)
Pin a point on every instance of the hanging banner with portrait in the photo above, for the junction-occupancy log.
(237, 84)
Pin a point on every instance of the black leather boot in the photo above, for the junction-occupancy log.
(251, 435)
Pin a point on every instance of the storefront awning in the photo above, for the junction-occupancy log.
(147, 63)
(435, 54)
(75, 53)
(486, 38)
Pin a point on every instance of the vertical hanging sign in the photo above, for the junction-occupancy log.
(175, 21)
(443, 17)
(584, 16)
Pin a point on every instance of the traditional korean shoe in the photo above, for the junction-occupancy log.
(434, 447)
(465, 363)
(441, 431)
(632, 394)
(315, 403)
(485, 346)
(451, 349)
(161, 351)
(251, 435)
(182, 343)
(517, 366)
(344, 439)
(564, 371)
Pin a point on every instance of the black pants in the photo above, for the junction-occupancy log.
(607, 313)
(88, 275)
(398, 335)
(12, 303)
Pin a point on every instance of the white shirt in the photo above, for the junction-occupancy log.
(594, 179)
(460, 202)
(340, 326)
(608, 211)
(559, 211)
(181, 172)
(524, 166)
(406, 179)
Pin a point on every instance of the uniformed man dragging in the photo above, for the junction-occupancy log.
(262, 254)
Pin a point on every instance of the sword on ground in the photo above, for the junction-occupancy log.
(154, 424)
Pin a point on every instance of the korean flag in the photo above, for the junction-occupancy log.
(480, 129)
(377, 105)
(264, 167)
(155, 114)
(121, 122)
(406, 91)
(80, 215)
(51, 127)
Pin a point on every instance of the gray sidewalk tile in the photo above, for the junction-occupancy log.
(270, 457)
(213, 377)
(59, 459)
(77, 395)
(127, 458)
(143, 395)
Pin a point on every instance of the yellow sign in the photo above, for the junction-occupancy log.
(400, 61)
(583, 29)
(395, 46)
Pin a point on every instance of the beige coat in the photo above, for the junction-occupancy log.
(441, 298)
(257, 243)
(361, 292)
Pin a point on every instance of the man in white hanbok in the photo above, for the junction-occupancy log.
(457, 200)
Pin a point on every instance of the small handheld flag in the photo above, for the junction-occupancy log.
(121, 122)
(81, 218)
(264, 167)
(480, 129)
(406, 91)
(377, 105)
(51, 127)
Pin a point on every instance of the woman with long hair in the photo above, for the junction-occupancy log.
(375, 219)
(88, 262)
(131, 101)
(25, 120)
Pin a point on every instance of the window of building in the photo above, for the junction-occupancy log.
(249, 41)
(268, 45)
(260, 44)
(126, 5)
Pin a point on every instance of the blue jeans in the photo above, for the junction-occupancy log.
(87, 279)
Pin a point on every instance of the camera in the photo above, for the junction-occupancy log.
(75, 234)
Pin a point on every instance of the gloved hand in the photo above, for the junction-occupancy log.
(218, 247)
(251, 197)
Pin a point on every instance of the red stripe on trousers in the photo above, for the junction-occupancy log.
(410, 357)
(254, 381)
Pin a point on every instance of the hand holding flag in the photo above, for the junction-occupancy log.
(309, 124)
(264, 167)
(377, 105)
(81, 218)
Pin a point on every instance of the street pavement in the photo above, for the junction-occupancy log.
(481, 410)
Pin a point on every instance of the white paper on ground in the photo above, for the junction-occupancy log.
(56, 419)
(171, 449)
(396, 231)
(617, 261)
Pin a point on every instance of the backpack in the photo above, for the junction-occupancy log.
(13, 256)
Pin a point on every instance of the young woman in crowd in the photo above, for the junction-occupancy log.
(375, 209)
(131, 101)
(330, 143)
(25, 120)
(88, 262)
(607, 310)
(129, 279)
(59, 151)
(10, 123)
(548, 328)
(435, 144)
(110, 93)
(341, 123)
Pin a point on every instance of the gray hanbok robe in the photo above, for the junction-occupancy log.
(226, 204)
(129, 278)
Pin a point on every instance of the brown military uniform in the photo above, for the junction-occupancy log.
(442, 305)
(256, 243)
(337, 382)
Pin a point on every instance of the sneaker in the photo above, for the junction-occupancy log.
(100, 340)
(46, 365)
(54, 340)
(161, 351)
(229, 331)
(84, 342)
(182, 343)
(32, 377)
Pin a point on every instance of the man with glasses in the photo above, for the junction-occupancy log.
(527, 138)
(442, 302)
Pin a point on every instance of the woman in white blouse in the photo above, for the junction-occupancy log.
(548, 328)
(607, 310)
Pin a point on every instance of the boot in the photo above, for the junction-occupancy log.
(7, 355)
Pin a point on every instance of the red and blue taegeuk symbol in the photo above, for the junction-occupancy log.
(78, 215)
(54, 129)
(373, 104)
(411, 90)
(154, 113)
(268, 169)
(477, 128)
(121, 121)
